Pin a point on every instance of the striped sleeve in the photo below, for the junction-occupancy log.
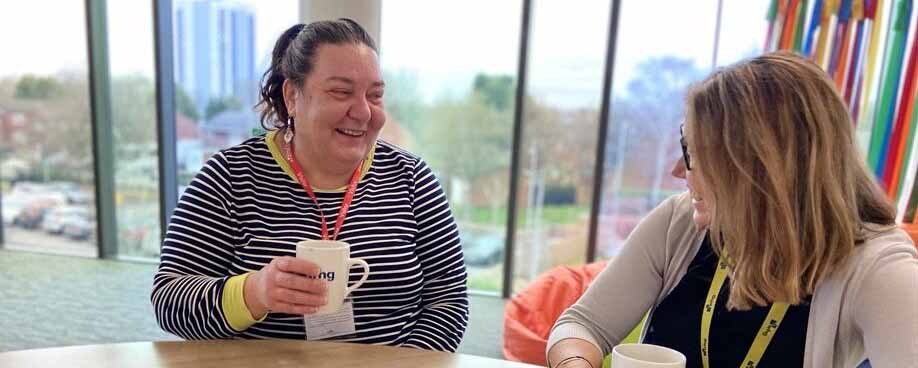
(195, 258)
(444, 314)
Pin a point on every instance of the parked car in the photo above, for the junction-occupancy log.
(78, 197)
(58, 216)
(11, 208)
(482, 248)
(32, 215)
(78, 227)
(28, 202)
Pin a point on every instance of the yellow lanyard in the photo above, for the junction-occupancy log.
(762, 339)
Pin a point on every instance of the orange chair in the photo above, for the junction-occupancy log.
(530, 314)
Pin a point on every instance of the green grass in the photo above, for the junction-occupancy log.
(476, 282)
(551, 215)
(486, 279)
(554, 215)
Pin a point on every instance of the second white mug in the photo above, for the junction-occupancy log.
(646, 356)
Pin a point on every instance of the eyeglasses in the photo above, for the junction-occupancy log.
(685, 154)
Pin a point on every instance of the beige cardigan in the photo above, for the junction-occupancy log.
(869, 308)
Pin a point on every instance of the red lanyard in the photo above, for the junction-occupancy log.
(348, 196)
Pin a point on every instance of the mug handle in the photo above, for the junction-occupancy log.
(366, 273)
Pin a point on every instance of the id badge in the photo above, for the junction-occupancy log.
(341, 323)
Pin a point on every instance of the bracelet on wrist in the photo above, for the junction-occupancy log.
(570, 359)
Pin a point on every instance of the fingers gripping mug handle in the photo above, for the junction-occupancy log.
(366, 273)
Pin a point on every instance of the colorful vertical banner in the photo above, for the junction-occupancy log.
(903, 129)
(883, 125)
(869, 48)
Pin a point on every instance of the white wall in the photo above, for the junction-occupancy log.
(365, 12)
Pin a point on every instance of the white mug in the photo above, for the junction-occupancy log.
(646, 356)
(334, 261)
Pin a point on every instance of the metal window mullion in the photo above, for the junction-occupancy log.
(717, 28)
(605, 116)
(165, 111)
(517, 143)
(102, 135)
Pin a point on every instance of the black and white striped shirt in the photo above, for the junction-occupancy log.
(242, 210)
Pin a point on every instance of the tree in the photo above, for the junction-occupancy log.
(467, 141)
(60, 124)
(220, 104)
(564, 140)
(133, 110)
(183, 103)
(64, 146)
(467, 138)
(646, 121)
(497, 90)
(34, 87)
(403, 100)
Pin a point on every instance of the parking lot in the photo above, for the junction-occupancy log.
(39, 241)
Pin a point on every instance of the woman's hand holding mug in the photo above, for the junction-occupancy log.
(286, 285)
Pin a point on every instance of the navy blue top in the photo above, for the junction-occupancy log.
(676, 323)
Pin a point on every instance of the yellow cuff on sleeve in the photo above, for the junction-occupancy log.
(237, 313)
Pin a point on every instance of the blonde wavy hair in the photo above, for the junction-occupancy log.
(773, 144)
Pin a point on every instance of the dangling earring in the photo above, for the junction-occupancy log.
(288, 135)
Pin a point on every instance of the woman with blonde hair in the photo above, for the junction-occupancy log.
(783, 230)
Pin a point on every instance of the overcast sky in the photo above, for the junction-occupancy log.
(444, 42)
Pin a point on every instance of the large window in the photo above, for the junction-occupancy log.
(654, 66)
(453, 105)
(221, 49)
(452, 77)
(567, 49)
(742, 30)
(46, 157)
(133, 102)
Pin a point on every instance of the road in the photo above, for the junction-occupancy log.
(15, 238)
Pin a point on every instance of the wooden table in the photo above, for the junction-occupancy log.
(237, 353)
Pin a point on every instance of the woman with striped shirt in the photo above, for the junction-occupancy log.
(227, 268)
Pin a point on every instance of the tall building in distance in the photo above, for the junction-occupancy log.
(215, 51)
